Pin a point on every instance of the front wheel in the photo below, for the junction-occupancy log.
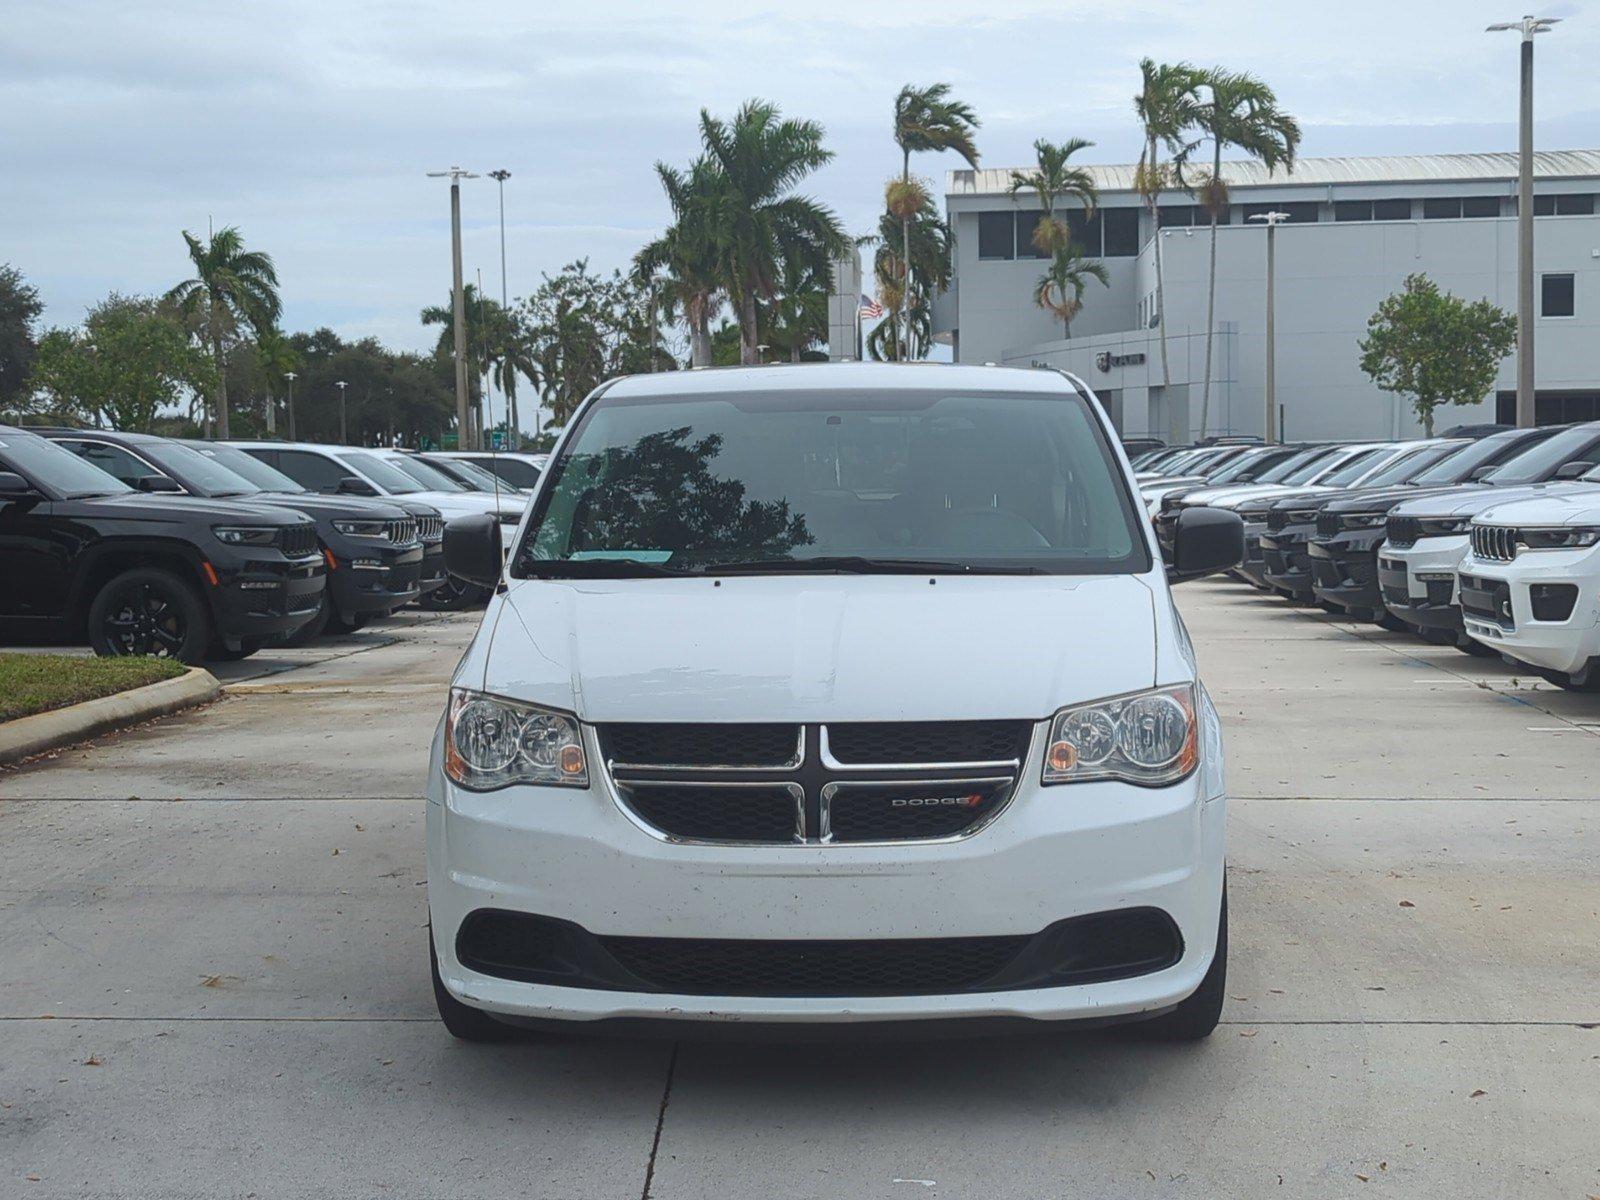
(1197, 1016)
(149, 611)
(453, 594)
(1589, 682)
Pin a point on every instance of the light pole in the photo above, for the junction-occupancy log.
(513, 431)
(291, 376)
(1527, 27)
(1272, 219)
(458, 302)
(341, 385)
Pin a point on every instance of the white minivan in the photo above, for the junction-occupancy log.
(831, 693)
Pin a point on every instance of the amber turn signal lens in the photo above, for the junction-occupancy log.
(1063, 756)
(572, 760)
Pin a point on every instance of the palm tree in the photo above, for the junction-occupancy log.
(928, 120)
(1052, 180)
(1168, 106)
(685, 259)
(1060, 288)
(232, 285)
(930, 274)
(277, 357)
(761, 223)
(1243, 112)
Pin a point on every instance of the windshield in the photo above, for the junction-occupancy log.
(1542, 461)
(1303, 460)
(1407, 466)
(1484, 452)
(54, 468)
(1354, 467)
(429, 477)
(468, 473)
(378, 471)
(195, 471)
(246, 466)
(913, 480)
(1249, 466)
(518, 472)
(1312, 467)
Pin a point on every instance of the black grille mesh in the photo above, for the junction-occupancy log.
(297, 541)
(929, 741)
(689, 745)
(713, 814)
(1327, 524)
(1403, 531)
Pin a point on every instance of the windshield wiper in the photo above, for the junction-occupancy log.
(595, 568)
(851, 564)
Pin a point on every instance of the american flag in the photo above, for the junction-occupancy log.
(870, 308)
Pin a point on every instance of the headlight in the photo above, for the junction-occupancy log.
(363, 529)
(1575, 538)
(1148, 738)
(1443, 526)
(246, 535)
(1362, 520)
(491, 742)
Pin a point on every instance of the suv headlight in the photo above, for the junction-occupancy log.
(1443, 526)
(1362, 520)
(363, 529)
(1575, 538)
(491, 742)
(246, 535)
(1147, 738)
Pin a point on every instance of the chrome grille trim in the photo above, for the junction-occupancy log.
(1495, 543)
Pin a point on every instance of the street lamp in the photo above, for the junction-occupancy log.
(291, 376)
(500, 176)
(458, 301)
(341, 385)
(1272, 220)
(1527, 27)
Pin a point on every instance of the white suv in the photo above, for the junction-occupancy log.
(1530, 585)
(832, 693)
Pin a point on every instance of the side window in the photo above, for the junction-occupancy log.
(997, 235)
(113, 460)
(311, 471)
(1556, 295)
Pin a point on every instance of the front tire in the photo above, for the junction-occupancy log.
(464, 1022)
(149, 611)
(1196, 1017)
(453, 594)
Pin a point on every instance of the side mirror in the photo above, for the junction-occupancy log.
(352, 485)
(472, 549)
(1206, 540)
(15, 487)
(1574, 470)
(155, 483)
(1481, 474)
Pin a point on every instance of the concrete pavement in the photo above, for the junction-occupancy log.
(216, 983)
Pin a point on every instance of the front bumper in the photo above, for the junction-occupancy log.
(1567, 645)
(376, 581)
(1417, 582)
(1286, 563)
(1054, 853)
(431, 576)
(265, 597)
(1253, 568)
(1344, 570)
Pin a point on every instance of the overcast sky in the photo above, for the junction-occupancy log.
(310, 125)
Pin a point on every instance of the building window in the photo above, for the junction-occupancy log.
(1027, 223)
(1576, 204)
(997, 233)
(1391, 210)
(1556, 295)
(1480, 206)
(1085, 233)
(1352, 210)
(1179, 216)
(1121, 227)
(1441, 208)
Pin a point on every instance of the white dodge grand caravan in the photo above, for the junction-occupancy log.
(831, 694)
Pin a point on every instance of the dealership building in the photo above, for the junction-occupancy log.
(1354, 229)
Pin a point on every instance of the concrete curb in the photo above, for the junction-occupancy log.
(27, 736)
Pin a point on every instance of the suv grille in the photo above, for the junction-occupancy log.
(782, 784)
(430, 529)
(1277, 518)
(1327, 524)
(1495, 542)
(298, 541)
(403, 532)
(1403, 531)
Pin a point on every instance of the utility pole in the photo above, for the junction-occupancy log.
(341, 385)
(1271, 219)
(513, 431)
(464, 439)
(291, 376)
(1527, 27)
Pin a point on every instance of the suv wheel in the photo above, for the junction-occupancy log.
(1589, 681)
(463, 1021)
(453, 594)
(149, 611)
(312, 629)
(1197, 1016)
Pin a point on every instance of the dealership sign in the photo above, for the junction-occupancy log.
(1105, 360)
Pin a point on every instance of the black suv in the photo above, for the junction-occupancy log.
(173, 576)
(372, 548)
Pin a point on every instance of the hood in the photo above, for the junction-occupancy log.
(1379, 499)
(813, 648)
(1227, 495)
(1469, 501)
(415, 507)
(325, 507)
(1574, 508)
(465, 504)
(174, 506)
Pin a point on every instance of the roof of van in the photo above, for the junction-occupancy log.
(851, 376)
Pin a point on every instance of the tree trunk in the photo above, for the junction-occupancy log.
(1211, 294)
(222, 375)
(699, 332)
(905, 263)
(1161, 285)
(749, 345)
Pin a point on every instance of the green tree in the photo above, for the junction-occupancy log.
(131, 359)
(1240, 111)
(19, 312)
(1053, 180)
(231, 286)
(685, 261)
(930, 245)
(275, 358)
(1060, 289)
(762, 223)
(1168, 107)
(926, 120)
(1436, 348)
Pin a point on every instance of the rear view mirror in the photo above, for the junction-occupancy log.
(1206, 540)
(1574, 470)
(352, 485)
(472, 549)
(155, 483)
